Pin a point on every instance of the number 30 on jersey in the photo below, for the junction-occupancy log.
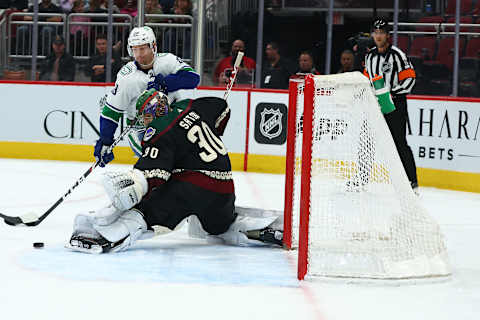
(208, 142)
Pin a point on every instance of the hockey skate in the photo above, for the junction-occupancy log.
(267, 235)
(93, 245)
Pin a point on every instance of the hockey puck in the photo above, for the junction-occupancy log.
(38, 245)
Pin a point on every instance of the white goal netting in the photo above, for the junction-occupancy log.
(364, 221)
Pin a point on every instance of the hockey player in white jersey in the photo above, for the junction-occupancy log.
(163, 71)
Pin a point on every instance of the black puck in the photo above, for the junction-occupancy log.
(38, 245)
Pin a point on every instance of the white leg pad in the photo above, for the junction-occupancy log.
(235, 235)
(195, 229)
(106, 216)
(161, 230)
(83, 224)
(130, 225)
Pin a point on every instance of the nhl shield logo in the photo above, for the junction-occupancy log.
(271, 123)
(386, 67)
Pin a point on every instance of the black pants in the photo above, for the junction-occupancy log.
(397, 123)
(168, 205)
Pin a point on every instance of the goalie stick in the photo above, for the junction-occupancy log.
(233, 76)
(31, 219)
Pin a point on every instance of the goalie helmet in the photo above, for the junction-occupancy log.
(152, 102)
(139, 36)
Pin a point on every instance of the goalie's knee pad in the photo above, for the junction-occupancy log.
(129, 226)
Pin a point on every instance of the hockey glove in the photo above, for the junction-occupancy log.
(158, 83)
(101, 152)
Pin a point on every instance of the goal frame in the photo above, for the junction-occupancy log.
(430, 260)
(305, 169)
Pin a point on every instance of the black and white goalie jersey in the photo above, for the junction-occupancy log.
(185, 145)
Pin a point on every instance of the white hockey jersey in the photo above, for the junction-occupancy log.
(131, 82)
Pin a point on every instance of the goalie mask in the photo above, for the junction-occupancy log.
(139, 36)
(151, 104)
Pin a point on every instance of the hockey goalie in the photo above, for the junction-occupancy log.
(183, 171)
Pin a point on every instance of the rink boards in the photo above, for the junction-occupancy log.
(60, 122)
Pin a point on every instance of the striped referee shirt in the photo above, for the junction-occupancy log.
(394, 66)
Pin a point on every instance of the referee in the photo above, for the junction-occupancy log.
(389, 62)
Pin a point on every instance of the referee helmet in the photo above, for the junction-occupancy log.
(382, 24)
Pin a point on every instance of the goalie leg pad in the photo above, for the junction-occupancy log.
(83, 224)
(125, 189)
(195, 229)
(86, 244)
(84, 237)
(239, 231)
(106, 216)
(128, 228)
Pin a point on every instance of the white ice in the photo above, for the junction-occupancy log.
(181, 278)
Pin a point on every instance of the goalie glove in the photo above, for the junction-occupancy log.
(125, 189)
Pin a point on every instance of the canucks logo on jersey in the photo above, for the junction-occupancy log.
(149, 134)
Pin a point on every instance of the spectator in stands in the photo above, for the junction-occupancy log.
(152, 7)
(130, 9)
(95, 6)
(66, 6)
(225, 66)
(306, 64)
(178, 41)
(167, 5)
(59, 65)
(276, 69)
(79, 32)
(104, 6)
(346, 60)
(14, 5)
(182, 7)
(96, 68)
(46, 33)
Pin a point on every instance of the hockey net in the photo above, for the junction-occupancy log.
(349, 206)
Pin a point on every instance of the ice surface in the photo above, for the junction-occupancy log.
(174, 276)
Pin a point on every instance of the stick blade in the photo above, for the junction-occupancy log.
(30, 219)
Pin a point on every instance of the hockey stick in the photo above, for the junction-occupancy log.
(233, 76)
(31, 219)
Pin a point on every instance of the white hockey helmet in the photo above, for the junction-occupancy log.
(139, 36)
